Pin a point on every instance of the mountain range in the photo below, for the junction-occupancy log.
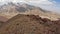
(11, 9)
(22, 18)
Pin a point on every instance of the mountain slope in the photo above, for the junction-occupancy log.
(30, 24)
(3, 19)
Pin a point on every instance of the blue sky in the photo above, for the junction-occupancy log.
(57, 4)
(58, 1)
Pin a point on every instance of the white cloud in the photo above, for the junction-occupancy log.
(45, 4)
(41, 2)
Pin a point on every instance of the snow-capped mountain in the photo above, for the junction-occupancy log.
(11, 9)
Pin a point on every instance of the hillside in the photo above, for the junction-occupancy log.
(1, 23)
(30, 24)
(3, 19)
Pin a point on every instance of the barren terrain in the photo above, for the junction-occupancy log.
(30, 24)
(21, 18)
